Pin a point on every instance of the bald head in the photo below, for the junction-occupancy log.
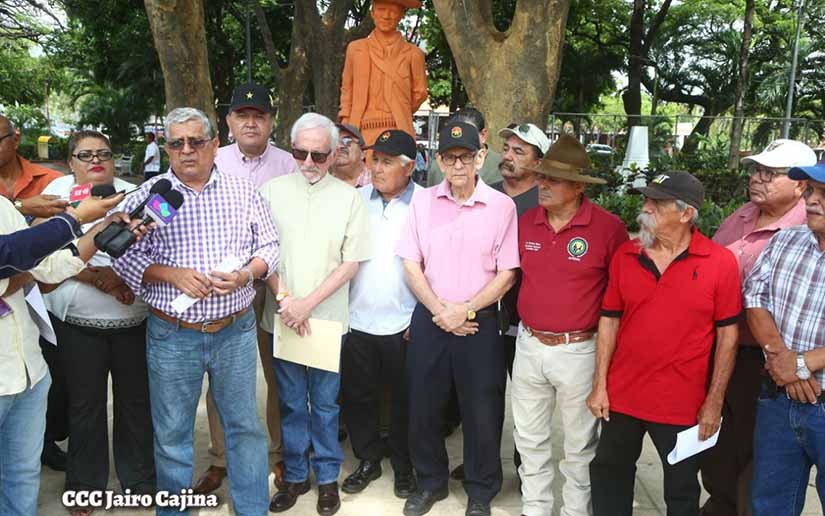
(6, 126)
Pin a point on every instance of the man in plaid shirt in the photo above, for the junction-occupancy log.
(785, 301)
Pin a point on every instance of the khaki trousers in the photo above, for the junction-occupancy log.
(273, 412)
(544, 377)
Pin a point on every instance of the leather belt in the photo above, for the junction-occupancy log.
(203, 327)
(487, 312)
(554, 339)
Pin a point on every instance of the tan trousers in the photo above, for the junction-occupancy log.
(273, 412)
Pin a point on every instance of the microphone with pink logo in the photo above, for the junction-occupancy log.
(160, 209)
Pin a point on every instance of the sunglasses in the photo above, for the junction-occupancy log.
(196, 144)
(522, 128)
(89, 156)
(317, 157)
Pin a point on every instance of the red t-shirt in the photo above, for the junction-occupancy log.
(659, 370)
(564, 274)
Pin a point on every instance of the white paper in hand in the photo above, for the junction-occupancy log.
(39, 314)
(183, 302)
(688, 444)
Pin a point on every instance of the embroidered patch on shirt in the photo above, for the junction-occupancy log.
(532, 246)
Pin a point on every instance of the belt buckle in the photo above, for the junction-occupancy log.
(205, 325)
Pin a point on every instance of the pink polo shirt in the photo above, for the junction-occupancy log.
(272, 163)
(462, 246)
(737, 233)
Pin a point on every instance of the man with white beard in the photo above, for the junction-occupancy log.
(671, 294)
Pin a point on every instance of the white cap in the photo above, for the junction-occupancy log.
(529, 133)
(783, 154)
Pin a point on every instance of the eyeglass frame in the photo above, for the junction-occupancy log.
(453, 158)
(319, 158)
(95, 154)
(196, 144)
(759, 171)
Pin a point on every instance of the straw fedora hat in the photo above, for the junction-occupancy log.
(566, 159)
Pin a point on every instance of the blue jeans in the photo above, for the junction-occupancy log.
(789, 439)
(177, 358)
(22, 423)
(309, 413)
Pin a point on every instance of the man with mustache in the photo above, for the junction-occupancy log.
(775, 204)
(325, 234)
(672, 295)
(255, 158)
(784, 296)
(565, 247)
(349, 164)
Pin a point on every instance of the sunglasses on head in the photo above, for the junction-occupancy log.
(317, 157)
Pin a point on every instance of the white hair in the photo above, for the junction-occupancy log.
(682, 206)
(405, 160)
(314, 121)
(182, 115)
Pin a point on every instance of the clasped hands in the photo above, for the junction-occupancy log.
(781, 365)
(295, 314)
(198, 285)
(453, 319)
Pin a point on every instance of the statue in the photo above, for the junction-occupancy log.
(384, 79)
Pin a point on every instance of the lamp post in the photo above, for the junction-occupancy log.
(786, 126)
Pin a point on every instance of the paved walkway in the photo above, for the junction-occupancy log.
(378, 499)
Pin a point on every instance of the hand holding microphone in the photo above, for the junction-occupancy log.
(102, 200)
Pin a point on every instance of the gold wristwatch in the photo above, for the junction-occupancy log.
(18, 205)
(281, 296)
(471, 314)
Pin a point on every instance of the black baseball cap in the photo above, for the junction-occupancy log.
(251, 96)
(394, 143)
(351, 129)
(676, 185)
(458, 134)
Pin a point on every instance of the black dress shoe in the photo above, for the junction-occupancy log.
(458, 472)
(328, 500)
(404, 484)
(420, 502)
(286, 497)
(476, 508)
(367, 471)
(53, 456)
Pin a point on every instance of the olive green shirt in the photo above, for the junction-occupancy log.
(489, 171)
(320, 226)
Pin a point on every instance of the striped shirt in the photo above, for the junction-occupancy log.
(788, 280)
(227, 218)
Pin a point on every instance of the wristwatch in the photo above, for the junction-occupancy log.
(471, 314)
(281, 296)
(802, 371)
(18, 205)
(249, 275)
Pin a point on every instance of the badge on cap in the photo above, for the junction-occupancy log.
(385, 136)
(661, 179)
(249, 94)
(456, 132)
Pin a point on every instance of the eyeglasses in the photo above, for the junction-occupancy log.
(765, 174)
(88, 156)
(522, 128)
(317, 157)
(196, 144)
(346, 141)
(467, 158)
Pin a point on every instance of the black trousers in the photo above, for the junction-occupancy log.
(476, 363)
(613, 470)
(369, 363)
(88, 356)
(57, 411)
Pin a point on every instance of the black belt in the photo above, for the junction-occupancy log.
(487, 312)
(774, 390)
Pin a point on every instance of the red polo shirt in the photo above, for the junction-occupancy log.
(564, 274)
(659, 370)
(33, 179)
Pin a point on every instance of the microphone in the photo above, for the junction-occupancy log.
(160, 209)
(103, 191)
(103, 238)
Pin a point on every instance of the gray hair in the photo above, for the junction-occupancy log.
(682, 206)
(182, 115)
(405, 160)
(315, 121)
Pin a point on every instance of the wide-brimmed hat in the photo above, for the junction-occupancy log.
(567, 159)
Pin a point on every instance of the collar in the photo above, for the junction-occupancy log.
(405, 197)
(481, 193)
(243, 159)
(28, 172)
(582, 217)
(699, 245)
(749, 213)
(396, 37)
(214, 176)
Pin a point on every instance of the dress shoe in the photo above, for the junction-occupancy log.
(328, 500)
(420, 502)
(458, 472)
(286, 497)
(367, 471)
(476, 508)
(211, 480)
(404, 484)
(53, 456)
(280, 471)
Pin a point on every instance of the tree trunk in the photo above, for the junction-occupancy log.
(180, 40)
(700, 129)
(741, 87)
(512, 75)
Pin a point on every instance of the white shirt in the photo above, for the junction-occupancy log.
(152, 151)
(20, 354)
(380, 301)
(78, 300)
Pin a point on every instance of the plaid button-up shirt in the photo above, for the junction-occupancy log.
(227, 218)
(788, 280)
